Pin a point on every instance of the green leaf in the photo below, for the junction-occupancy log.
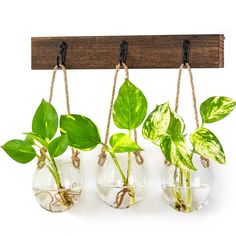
(216, 108)
(176, 124)
(123, 143)
(207, 145)
(130, 107)
(58, 146)
(37, 138)
(19, 151)
(29, 140)
(162, 121)
(157, 122)
(81, 132)
(176, 152)
(45, 121)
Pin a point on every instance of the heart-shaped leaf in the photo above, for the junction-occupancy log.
(45, 121)
(162, 121)
(19, 151)
(123, 143)
(81, 132)
(176, 151)
(176, 124)
(157, 123)
(130, 107)
(216, 108)
(58, 146)
(207, 144)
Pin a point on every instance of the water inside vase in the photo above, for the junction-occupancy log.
(120, 196)
(176, 197)
(57, 200)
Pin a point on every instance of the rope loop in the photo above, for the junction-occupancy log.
(75, 153)
(205, 162)
(102, 156)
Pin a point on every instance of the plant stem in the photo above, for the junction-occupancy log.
(129, 164)
(132, 192)
(177, 192)
(54, 171)
(125, 180)
(188, 191)
(114, 158)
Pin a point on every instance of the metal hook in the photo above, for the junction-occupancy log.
(62, 47)
(186, 51)
(123, 52)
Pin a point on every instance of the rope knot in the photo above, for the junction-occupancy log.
(205, 162)
(138, 157)
(75, 158)
(41, 158)
(102, 158)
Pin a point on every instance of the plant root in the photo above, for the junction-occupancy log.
(64, 198)
(121, 194)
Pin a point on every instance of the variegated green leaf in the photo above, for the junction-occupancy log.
(130, 107)
(157, 123)
(162, 121)
(176, 124)
(207, 144)
(123, 143)
(176, 151)
(216, 108)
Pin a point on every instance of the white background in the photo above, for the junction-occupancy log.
(21, 90)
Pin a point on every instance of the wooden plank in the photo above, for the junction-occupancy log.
(153, 51)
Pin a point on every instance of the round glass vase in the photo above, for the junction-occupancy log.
(186, 191)
(121, 181)
(57, 186)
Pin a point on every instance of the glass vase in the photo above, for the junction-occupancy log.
(121, 181)
(186, 191)
(57, 192)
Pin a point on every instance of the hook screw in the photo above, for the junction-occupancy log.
(123, 52)
(186, 51)
(62, 47)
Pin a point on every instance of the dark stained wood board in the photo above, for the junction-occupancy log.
(150, 51)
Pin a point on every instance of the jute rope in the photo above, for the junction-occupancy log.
(205, 161)
(102, 156)
(75, 153)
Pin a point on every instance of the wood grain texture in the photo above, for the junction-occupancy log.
(154, 51)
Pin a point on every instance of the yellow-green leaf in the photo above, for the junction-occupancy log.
(216, 108)
(123, 143)
(130, 107)
(157, 122)
(162, 120)
(207, 144)
(176, 152)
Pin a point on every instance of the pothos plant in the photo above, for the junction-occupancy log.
(129, 111)
(41, 143)
(166, 129)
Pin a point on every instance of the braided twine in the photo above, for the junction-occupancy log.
(102, 156)
(75, 153)
(205, 162)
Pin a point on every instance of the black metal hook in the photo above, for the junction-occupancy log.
(61, 58)
(186, 51)
(123, 52)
